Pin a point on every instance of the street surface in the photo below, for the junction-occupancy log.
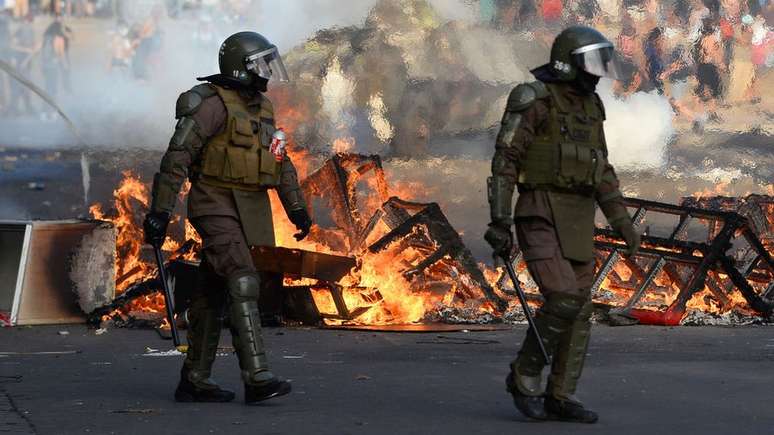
(642, 380)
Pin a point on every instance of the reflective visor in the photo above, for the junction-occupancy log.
(267, 64)
(599, 60)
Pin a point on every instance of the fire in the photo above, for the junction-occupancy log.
(720, 189)
(130, 195)
(401, 301)
(133, 263)
(284, 230)
(291, 114)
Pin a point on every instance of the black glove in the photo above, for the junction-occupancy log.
(302, 221)
(155, 226)
(500, 238)
(627, 231)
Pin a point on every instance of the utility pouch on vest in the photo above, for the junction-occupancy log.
(242, 133)
(239, 157)
(579, 166)
(569, 155)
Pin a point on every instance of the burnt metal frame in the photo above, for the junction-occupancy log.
(397, 214)
(713, 257)
(336, 179)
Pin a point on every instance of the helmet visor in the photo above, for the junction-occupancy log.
(599, 60)
(267, 64)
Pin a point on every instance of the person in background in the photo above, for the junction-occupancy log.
(121, 50)
(653, 48)
(55, 56)
(630, 76)
(762, 48)
(23, 46)
(708, 56)
(741, 83)
(551, 11)
(21, 9)
(730, 23)
(148, 42)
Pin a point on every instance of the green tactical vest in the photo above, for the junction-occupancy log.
(239, 157)
(570, 154)
(567, 160)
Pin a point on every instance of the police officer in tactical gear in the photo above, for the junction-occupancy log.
(221, 144)
(551, 146)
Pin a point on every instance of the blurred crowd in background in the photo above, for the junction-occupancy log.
(701, 54)
(36, 36)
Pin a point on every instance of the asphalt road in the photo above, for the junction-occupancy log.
(642, 380)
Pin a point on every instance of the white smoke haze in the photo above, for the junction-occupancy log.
(113, 110)
(638, 129)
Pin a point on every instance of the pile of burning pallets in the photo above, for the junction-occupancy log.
(355, 217)
(709, 255)
(713, 254)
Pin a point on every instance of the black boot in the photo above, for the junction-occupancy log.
(563, 410)
(254, 394)
(188, 392)
(530, 406)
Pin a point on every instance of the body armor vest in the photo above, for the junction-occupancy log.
(239, 157)
(570, 154)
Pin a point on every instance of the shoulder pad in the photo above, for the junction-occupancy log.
(524, 95)
(540, 89)
(188, 102)
(204, 90)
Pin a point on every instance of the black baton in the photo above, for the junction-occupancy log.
(169, 301)
(525, 307)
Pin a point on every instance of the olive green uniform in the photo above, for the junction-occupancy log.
(221, 144)
(552, 147)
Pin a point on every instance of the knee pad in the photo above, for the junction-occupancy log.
(564, 306)
(244, 286)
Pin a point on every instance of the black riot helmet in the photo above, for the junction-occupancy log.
(581, 49)
(247, 57)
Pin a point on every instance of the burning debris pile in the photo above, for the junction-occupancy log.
(703, 261)
(375, 259)
(371, 258)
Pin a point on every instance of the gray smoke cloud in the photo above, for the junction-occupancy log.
(114, 110)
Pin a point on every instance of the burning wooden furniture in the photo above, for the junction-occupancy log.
(325, 269)
(348, 195)
(686, 264)
(342, 195)
(424, 227)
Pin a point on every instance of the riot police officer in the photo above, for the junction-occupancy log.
(551, 145)
(223, 144)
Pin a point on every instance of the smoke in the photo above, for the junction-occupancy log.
(114, 109)
(638, 129)
(290, 22)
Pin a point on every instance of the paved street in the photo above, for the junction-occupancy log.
(642, 380)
